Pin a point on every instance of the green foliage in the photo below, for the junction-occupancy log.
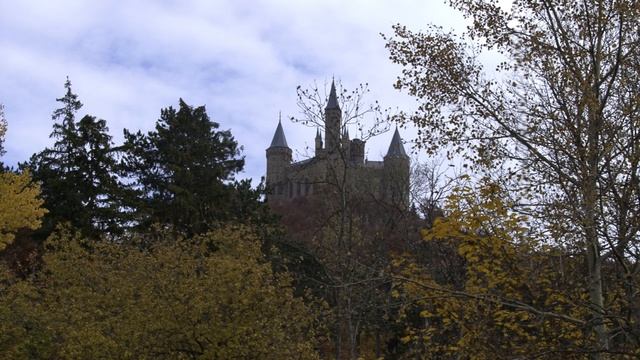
(184, 172)
(78, 175)
(212, 296)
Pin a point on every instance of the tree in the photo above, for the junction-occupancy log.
(556, 125)
(368, 120)
(212, 296)
(20, 203)
(430, 185)
(103, 194)
(184, 171)
(3, 129)
(337, 232)
(507, 296)
(20, 207)
(79, 174)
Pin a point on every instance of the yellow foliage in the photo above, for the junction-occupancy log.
(512, 300)
(211, 297)
(20, 205)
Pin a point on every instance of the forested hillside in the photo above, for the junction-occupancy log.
(156, 248)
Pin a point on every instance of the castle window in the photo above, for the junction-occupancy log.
(307, 188)
(298, 189)
(290, 189)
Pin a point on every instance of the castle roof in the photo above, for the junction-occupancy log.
(333, 98)
(396, 149)
(279, 140)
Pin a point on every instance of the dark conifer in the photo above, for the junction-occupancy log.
(185, 170)
(78, 174)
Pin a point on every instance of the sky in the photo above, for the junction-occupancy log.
(242, 59)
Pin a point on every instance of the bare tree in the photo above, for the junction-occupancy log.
(340, 234)
(367, 119)
(431, 183)
(3, 128)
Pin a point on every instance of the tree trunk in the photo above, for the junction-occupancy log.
(594, 259)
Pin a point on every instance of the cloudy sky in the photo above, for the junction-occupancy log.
(243, 59)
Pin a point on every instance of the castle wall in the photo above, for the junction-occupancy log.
(386, 181)
(337, 168)
(395, 182)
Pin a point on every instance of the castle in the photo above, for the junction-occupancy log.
(338, 167)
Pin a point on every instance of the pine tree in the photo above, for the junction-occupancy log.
(78, 174)
(101, 191)
(184, 171)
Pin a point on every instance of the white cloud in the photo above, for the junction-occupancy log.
(243, 59)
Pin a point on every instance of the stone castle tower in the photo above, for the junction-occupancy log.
(338, 165)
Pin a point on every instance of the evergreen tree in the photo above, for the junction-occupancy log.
(184, 171)
(101, 191)
(78, 174)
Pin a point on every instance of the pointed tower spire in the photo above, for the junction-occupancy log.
(333, 98)
(396, 149)
(318, 142)
(279, 140)
(332, 121)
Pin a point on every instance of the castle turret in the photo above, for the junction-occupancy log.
(318, 142)
(332, 121)
(396, 173)
(278, 162)
(396, 149)
(345, 143)
(356, 152)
